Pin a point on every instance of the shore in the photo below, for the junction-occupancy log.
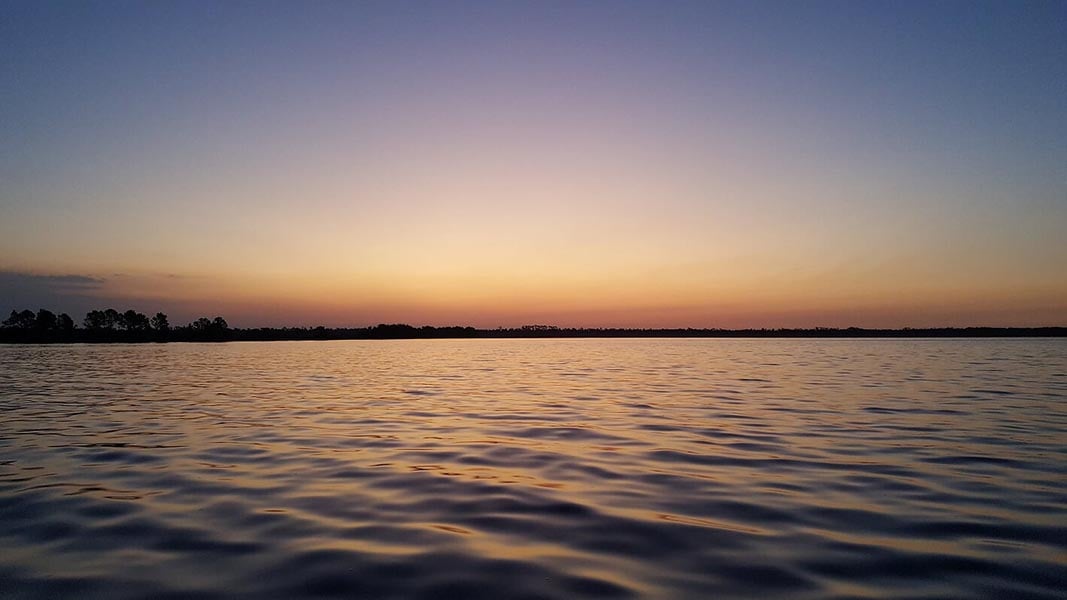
(400, 331)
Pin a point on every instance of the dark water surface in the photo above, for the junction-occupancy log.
(535, 469)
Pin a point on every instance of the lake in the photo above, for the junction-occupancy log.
(590, 468)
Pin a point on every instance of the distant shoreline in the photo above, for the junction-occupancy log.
(112, 326)
(397, 332)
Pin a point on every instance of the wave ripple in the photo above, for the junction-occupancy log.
(535, 469)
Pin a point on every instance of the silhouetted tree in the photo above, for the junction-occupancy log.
(392, 330)
(21, 320)
(65, 324)
(95, 320)
(209, 329)
(134, 321)
(112, 318)
(160, 323)
(45, 320)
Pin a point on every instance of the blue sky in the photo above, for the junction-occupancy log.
(631, 163)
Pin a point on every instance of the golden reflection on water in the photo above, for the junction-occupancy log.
(560, 468)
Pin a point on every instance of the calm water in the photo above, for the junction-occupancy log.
(535, 469)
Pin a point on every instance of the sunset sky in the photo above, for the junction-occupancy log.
(499, 163)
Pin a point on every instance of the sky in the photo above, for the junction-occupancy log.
(496, 163)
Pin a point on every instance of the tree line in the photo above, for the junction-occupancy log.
(110, 325)
(107, 325)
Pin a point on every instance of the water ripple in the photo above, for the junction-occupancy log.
(535, 469)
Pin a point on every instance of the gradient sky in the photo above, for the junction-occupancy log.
(499, 163)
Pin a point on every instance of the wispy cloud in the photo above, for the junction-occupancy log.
(68, 292)
(14, 281)
(78, 293)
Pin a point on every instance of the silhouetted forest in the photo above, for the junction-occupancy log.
(110, 325)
